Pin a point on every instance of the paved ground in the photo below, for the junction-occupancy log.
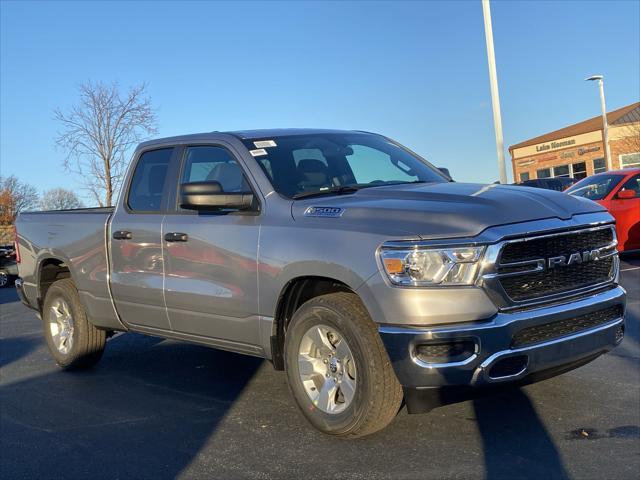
(161, 409)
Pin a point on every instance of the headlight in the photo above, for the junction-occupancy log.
(432, 266)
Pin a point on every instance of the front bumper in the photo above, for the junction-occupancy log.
(493, 344)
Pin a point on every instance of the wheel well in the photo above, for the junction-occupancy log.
(293, 295)
(51, 270)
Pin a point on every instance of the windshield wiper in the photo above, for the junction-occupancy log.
(338, 190)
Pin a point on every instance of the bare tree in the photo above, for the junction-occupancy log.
(15, 197)
(99, 131)
(631, 137)
(59, 199)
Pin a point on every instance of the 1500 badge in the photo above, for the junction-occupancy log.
(330, 212)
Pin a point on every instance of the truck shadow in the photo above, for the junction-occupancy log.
(155, 409)
(143, 412)
(13, 349)
(8, 295)
(516, 443)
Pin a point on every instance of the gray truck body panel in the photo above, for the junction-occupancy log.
(222, 287)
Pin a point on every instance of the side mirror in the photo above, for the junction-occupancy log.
(625, 194)
(445, 171)
(210, 196)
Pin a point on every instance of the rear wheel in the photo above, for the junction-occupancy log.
(338, 369)
(4, 278)
(73, 341)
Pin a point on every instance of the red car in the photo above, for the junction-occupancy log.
(619, 192)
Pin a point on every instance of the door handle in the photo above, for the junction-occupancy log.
(176, 237)
(122, 235)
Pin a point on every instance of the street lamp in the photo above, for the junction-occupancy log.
(495, 96)
(605, 124)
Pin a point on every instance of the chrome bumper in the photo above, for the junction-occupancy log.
(493, 338)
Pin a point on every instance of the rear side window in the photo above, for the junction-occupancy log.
(148, 182)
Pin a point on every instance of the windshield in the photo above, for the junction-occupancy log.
(304, 165)
(596, 187)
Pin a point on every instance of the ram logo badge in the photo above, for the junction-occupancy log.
(573, 259)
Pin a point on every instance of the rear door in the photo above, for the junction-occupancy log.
(211, 279)
(137, 262)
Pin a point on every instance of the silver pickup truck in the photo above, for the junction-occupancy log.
(344, 258)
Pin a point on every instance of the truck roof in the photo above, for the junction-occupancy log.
(241, 134)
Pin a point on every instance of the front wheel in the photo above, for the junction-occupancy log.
(73, 341)
(338, 369)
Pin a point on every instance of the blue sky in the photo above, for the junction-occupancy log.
(415, 71)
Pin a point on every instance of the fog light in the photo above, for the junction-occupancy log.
(445, 352)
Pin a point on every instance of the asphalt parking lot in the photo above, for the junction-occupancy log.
(164, 409)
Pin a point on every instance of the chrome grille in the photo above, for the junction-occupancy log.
(522, 271)
(558, 280)
(550, 246)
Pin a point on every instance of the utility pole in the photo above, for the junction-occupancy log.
(495, 96)
(605, 123)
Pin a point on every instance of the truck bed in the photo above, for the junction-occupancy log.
(76, 238)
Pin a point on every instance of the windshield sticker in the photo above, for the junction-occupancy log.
(327, 212)
(258, 152)
(265, 144)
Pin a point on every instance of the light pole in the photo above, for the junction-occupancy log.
(605, 124)
(495, 96)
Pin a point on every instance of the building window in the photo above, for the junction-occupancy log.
(579, 170)
(630, 160)
(561, 171)
(524, 176)
(599, 165)
(543, 173)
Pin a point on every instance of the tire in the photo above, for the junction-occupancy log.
(372, 394)
(73, 341)
(5, 279)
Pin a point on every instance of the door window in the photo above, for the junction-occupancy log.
(632, 184)
(148, 182)
(214, 164)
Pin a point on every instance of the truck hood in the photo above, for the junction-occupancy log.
(443, 210)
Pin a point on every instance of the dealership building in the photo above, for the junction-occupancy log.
(578, 150)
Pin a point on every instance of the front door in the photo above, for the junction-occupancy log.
(211, 281)
(136, 243)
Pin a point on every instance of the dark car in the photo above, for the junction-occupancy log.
(558, 183)
(8, 266)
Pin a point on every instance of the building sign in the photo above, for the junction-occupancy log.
(583, 139)
(567, 154)
(554, 145)
(524, 163)
(582, 151)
